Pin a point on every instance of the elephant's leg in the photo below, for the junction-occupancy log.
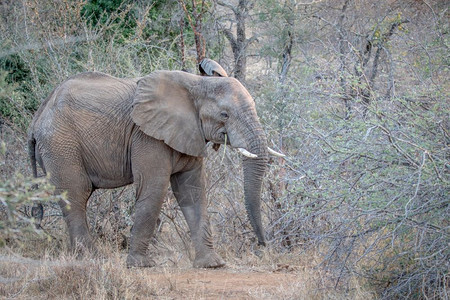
(60, 156)
(189, 189)
(150, 194)
(74, 212)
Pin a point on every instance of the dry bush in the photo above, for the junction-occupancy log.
(366, 179)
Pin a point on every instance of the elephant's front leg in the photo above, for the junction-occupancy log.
(150, 194)
(189, 189)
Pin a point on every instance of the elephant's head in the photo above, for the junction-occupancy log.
(186, 111)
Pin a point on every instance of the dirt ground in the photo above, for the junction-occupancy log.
(22, 278)
(225, 283)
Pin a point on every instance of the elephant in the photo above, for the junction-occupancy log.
(209, 67)
(96, 131)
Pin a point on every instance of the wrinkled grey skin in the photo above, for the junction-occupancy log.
(97, 131)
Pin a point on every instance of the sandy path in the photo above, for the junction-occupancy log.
(225, 284)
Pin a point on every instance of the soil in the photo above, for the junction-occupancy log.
(42, 279)
(225, 283)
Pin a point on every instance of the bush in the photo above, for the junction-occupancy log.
(17, 194)
(15, 106)
(370, 192)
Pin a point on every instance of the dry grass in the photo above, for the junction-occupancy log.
(272, 276)
(67, 278)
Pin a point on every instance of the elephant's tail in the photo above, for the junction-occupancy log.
(37, 211)
(32, 154)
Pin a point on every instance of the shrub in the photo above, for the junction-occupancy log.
(370, 193)
(17, 194)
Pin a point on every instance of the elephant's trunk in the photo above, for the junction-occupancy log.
(254, 169)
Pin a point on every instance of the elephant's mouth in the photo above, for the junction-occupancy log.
(220, 136)
(224, 138)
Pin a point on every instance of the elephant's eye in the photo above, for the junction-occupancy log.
(224, 115)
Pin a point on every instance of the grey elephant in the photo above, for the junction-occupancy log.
(97, 131)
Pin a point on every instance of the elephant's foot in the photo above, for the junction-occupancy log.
(209, 260)
(139, 261)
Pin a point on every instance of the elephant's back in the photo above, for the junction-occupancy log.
(96, 92)
(85, 96)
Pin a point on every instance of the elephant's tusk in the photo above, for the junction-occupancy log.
(273, 152)
(246, 153)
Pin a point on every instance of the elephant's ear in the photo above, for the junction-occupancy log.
(163, 108)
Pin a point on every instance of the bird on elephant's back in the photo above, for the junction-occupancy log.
(98, 131)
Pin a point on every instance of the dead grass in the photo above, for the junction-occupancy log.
(67, 278)
(268, 275)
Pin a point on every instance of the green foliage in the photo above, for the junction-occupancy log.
(17, 69)
(99, 11)
(16, 195)
(126, 19)
(118, 15)
(14, 105)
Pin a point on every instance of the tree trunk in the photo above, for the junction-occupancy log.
(239, 43)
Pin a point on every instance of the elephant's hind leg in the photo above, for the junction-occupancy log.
(62, 159)
(70, 178)
(74, 212)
